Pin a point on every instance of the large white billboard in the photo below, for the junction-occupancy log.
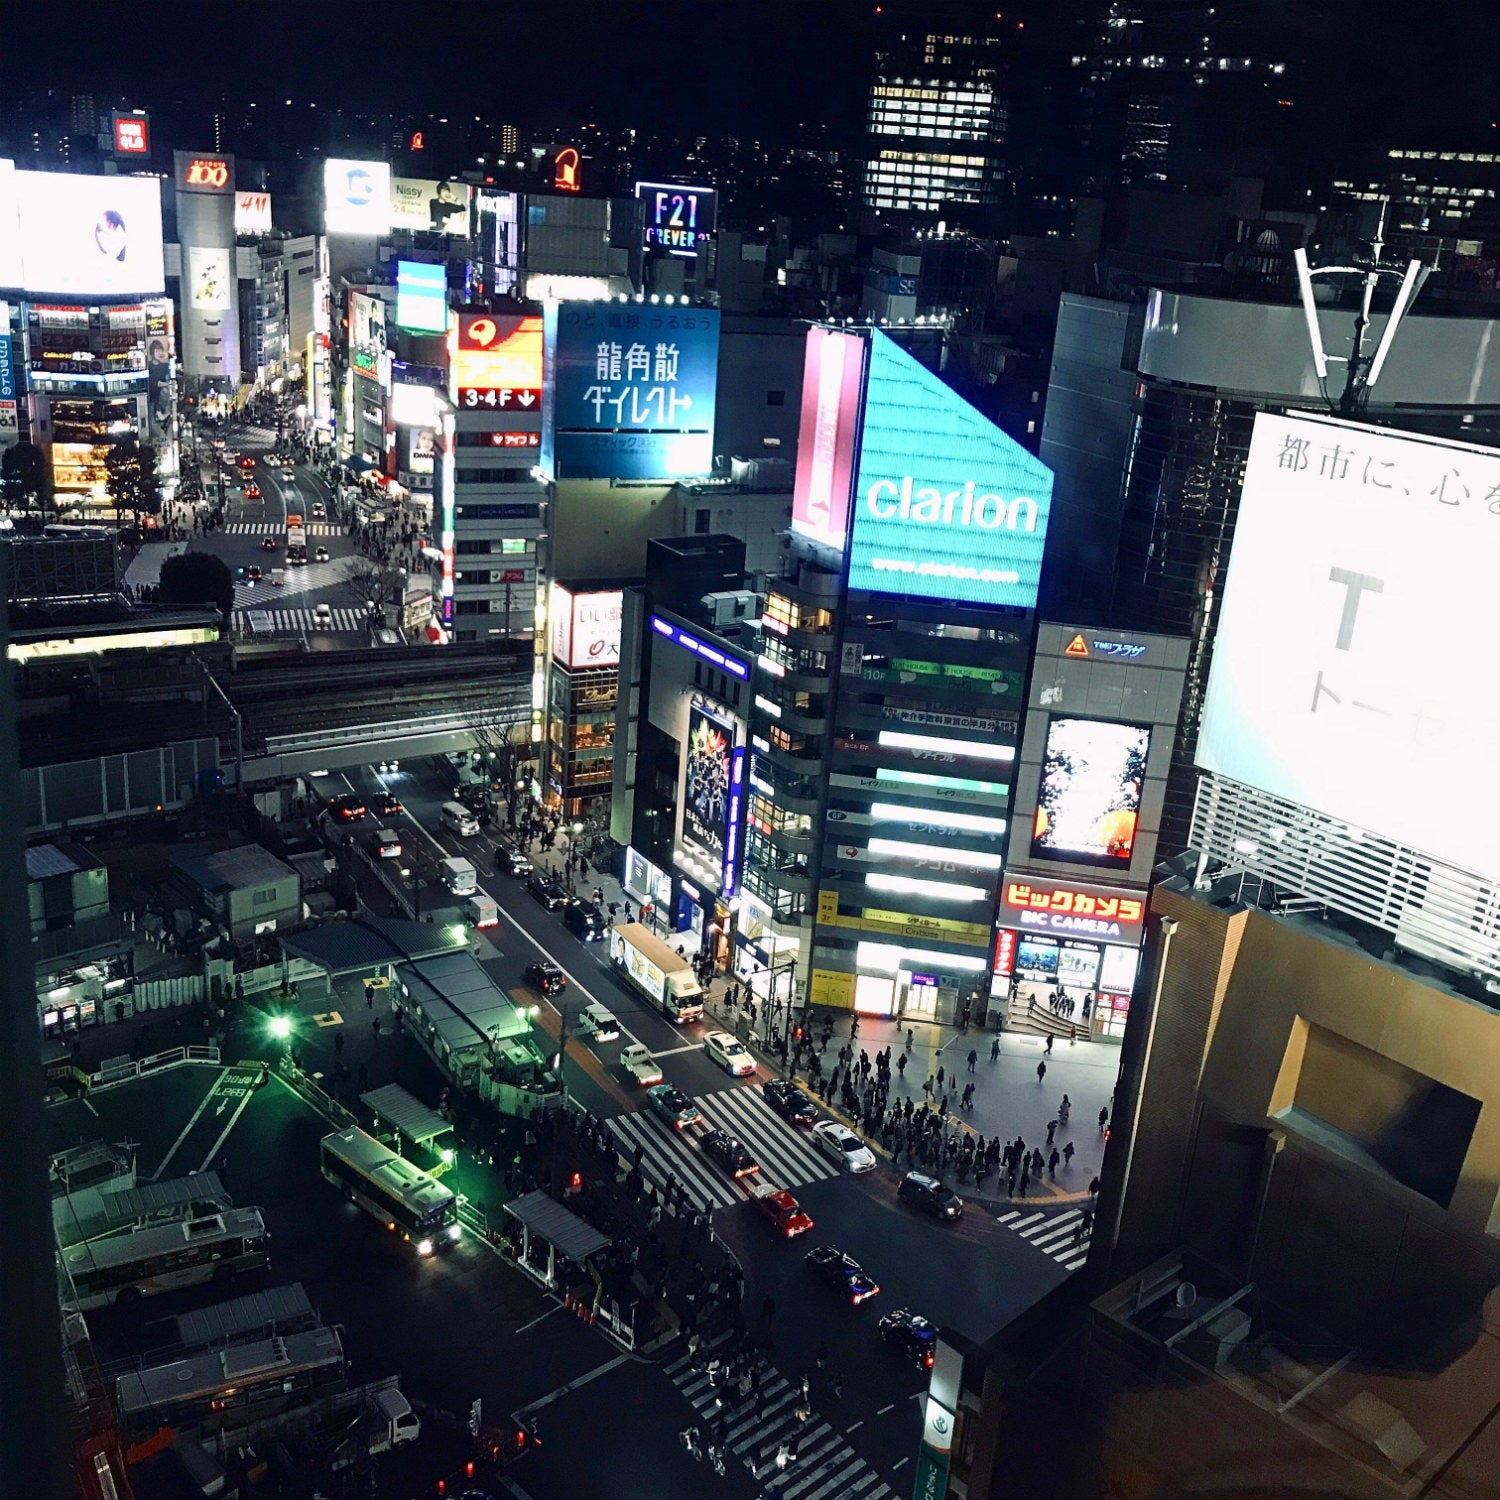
(357, 197)
(1354, 669)
(429, 205)
(10, 227)
(84, 236)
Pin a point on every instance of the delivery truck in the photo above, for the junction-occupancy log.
(459, 876)
(659, 972)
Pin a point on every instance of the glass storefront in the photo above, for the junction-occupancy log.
(1096, 977)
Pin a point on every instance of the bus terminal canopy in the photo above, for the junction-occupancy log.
(407, 1114)
(546, 1219)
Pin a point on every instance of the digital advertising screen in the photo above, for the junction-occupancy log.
(678, 218)
(631, 391)
(1090, 794)
(366, 323)
(430, 206)
(1354, 665)
(1036, 956)
(833, 372)
(356, 197)
(421, 297)
(705, 787)
(10, 227)
(84, 236)
(946, 506)
(495, 362)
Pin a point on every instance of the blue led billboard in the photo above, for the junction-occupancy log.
(946, 506)
(421, 297)
(629, 391)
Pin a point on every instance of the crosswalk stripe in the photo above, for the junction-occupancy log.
(1031, 1219)
(669, 1156)
(1015, 1213)
(1049, 1229)
(1055, 1235)
(826, 1467)
(786, 1158)
(1073, 1265)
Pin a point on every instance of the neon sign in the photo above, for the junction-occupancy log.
(206, 172)
(1074, 910)
(565, 170)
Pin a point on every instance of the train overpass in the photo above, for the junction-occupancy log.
(95, 731)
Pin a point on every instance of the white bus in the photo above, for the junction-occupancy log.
(147, 1261)
(225, 1389)
(407, 1200)
(296, 545)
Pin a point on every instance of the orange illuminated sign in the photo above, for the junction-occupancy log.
(565, 170)
(1076, 647)
(1073, 910)
(206, 172)
(417, 143)
(495, 352)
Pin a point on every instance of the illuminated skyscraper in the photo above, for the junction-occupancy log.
(937, 115)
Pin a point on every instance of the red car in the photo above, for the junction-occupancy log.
(252, 492)
(246, 462)
(785, 1215)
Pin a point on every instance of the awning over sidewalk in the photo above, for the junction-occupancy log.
(548, 1220)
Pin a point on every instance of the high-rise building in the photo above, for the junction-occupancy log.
(937, 113)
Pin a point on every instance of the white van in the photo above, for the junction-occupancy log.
(482, 910)
(458, 876)
(600, 1022)
(460, 820)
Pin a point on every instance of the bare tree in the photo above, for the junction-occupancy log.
(502, 734)
(373, 584)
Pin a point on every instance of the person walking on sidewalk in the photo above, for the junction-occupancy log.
(973, 1059)
(940, 1077)
(995, 1050)
(1025, 1178)
(1041, 1075)
(1050, 1040)
(901, 1065)
(1103, 1118)
(910, 1038)
(1052, 1162)
(1068, 1154)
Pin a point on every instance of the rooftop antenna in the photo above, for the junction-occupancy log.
(1361, 371)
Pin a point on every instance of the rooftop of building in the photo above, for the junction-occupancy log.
(59, 858)
(240, 868)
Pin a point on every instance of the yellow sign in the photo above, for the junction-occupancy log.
(828, 907)
(910, 925)
(830, 987)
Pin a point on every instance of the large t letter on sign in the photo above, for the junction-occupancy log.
(1355, 584)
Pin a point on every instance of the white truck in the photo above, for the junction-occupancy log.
(481, 910)
(659, 972)
(458, 876)
(637, 1060)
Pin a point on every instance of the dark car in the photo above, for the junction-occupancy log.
(673, 1105)
(842, 1272)
(347, 808)
(510, 861)
(473, 796)
(270, 543)
(585, 920)
(910, 1335)
(551, 893)
(721, 1147)
(547, 977)
(387, 806)
(253, 573)
(790, 1102)
(928, 1194)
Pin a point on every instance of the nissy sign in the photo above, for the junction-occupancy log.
(947, 507)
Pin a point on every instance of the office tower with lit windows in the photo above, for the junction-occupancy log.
(937, 112)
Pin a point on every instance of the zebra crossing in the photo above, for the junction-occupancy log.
(1061, 1237)
(825, 1466)
(277, 528)
(786, 1159)
(346, 620)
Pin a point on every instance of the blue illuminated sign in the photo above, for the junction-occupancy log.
(732, 832)
(946, 506)
(680, 637)
(678, 218)
(629, 391)
(421, 297)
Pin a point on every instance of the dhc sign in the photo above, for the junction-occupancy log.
(947, 506)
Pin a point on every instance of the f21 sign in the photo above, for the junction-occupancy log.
(678, 218)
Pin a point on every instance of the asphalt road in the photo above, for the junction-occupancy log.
(248, 521)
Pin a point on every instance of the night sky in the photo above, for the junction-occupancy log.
(750, 66)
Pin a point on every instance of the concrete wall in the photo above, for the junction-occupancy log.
(1286, 1066)
(600, 530)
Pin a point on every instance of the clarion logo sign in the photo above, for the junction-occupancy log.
(893, 500)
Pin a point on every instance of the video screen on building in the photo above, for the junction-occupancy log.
(1089, 799)
(495, 362)
(357, 197)
(1036, 956)
(833, 372)
(87, 236)
(1354, 665)
(421, 297)
(678, 218)
(705, 787)
(946, 505)
(430, 206)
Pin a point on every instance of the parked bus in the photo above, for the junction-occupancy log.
(147, 1261)
(407, 1200)
(228, 1388)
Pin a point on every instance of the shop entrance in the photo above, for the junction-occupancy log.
(921, 996)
